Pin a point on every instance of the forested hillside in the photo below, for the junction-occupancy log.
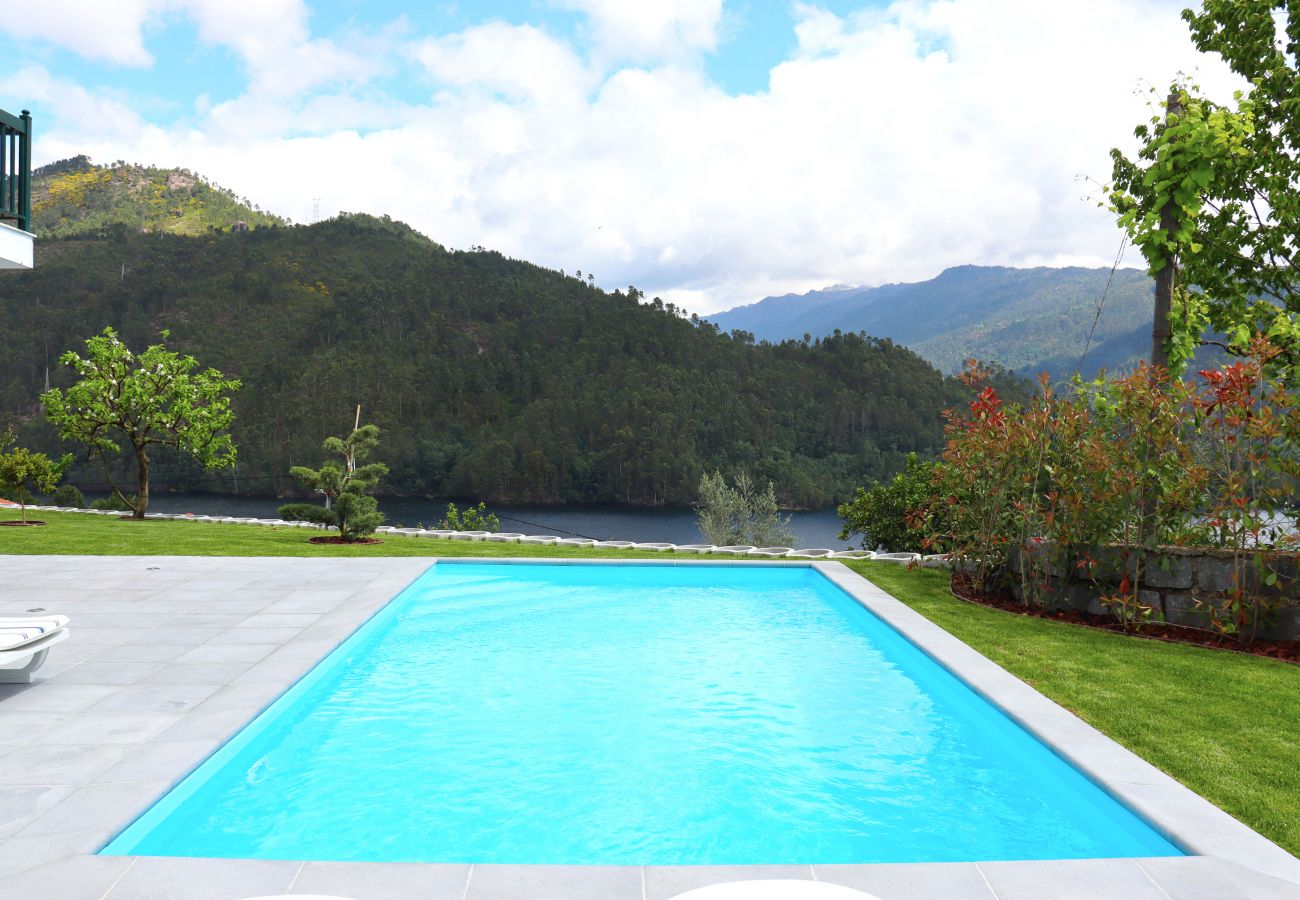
(490, 377)
(74, 196)
(1029, 320)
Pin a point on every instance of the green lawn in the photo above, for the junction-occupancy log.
(1227, 725)
(79, 533)
(1224, 724)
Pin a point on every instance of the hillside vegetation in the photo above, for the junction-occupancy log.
(74, 196)
(489, 377)
(1029, 320)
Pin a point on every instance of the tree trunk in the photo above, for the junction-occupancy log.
(142, 497)
(1166, 278)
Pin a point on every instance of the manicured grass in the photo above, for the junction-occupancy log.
(79, 533)
(1227, 725)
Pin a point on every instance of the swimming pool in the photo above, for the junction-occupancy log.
(633, 715)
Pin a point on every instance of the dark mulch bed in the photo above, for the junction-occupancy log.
(325, 539)
(23, 524)
(1287, 651)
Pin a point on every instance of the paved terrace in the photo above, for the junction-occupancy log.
(170, 656)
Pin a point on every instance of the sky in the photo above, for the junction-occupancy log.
(710, 152)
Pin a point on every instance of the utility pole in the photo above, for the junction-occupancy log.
(1167, 277)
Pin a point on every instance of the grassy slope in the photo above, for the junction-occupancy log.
(1224, 724)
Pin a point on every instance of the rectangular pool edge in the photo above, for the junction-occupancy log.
(1176, 811)
(1185, 818)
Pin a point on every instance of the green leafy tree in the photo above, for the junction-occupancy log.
(740, 513)
(155, 398)
(885, 513)
(24, 472)
(471, 519)
(1215, 189)
(345, 481)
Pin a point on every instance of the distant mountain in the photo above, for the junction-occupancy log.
(75, 196)
(1029, 320)
(490, 378)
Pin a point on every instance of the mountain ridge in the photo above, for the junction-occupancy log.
(75, 196)
(1028, 319)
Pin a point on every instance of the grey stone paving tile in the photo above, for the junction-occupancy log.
(170, 760)
(243, 602)
(663, 882)
(1256, 885)
(276, 672)
(156, 698)
(109, 728)
(78, 878)
(383, 881)
(1075, 879)
(1192, 878)
(107, 672)
(179, 878)
(74, 764)
(245, 695)
(280, 620)
(47, 697)
(179, 634)
(321, 599)
(18, 729)
(200, 724)
(207, 619)
(1248, 849)
(197, 673)
(307, 647)
(101, 807)
(317, 607)
(918, 881)
(20, 804)
(205, 653)
(139, 651)
(554, 883)
(21, 853)
(272, 636)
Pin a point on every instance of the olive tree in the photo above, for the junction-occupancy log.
(740, 513)
(154, 398)
(1214, 190)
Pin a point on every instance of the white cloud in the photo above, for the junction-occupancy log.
(110, 31)
(643, 31)
(518, 61)
(892, 144)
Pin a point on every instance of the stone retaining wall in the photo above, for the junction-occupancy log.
(1179, 583)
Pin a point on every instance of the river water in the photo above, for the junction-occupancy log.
(818, 528)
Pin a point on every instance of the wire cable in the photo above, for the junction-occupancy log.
(1123, 245)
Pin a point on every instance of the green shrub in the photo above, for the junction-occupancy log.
(471, 519)
(68, 495)
(357, 515)
(884, 513)
(740, 513)
(114, 502)
(306, 512)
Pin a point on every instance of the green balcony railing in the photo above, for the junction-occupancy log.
(16, 169)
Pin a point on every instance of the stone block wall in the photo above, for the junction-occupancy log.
(1178, 583)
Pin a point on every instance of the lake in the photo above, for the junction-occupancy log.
(818, 528)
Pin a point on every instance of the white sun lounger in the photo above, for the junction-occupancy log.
(24, 643)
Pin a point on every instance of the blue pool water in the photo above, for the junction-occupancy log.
(634, 715)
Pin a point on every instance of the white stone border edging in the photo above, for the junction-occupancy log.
(513, 537)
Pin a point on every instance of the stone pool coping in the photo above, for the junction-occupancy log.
(169, 656)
